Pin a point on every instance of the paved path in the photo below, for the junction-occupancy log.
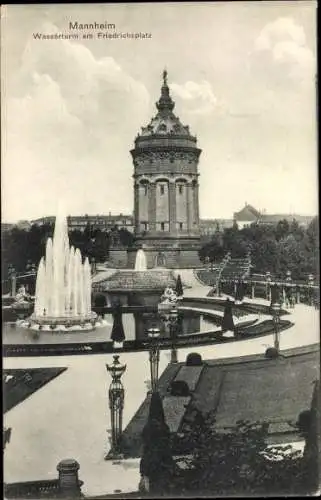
(69, 417)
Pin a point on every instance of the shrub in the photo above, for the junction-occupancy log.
(271, 353)
(179, 388)
(194, 359)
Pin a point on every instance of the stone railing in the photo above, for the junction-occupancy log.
(66, 486)
(212, 276)
(33, 489)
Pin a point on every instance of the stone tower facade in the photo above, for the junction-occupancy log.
(166, 204)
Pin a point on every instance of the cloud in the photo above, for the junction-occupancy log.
(285, 42)
(279, 30)
(70, 121)
(200, 95)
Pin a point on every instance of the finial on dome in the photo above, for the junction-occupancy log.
(165, 76)
(165, 103)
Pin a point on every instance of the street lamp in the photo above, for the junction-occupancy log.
(170, 320)
(153, 334)
(276, 307)
(13, 277)
(93, 266)
(268, 280)
(310, 288)
(116, 395)
(173, 316)
(6, 436)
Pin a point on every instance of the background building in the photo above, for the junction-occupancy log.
(249, 215)
(208, 227)
(102, 222)
(166, 204)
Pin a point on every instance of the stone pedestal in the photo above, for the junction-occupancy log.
(69, 483)
(175, 255)
(13, 285)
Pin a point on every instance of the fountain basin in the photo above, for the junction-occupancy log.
(22, 306)
(67, 321)
(132, 287)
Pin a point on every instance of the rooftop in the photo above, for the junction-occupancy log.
(256, 390)
(165, 122)
(248, 213)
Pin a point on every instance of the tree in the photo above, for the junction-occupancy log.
(213, 249)
(101, 244)
(126, 238)
(237, 461)
(117, 333)
(282, 229)
(296, 230)
(228, 322)
(275, 248)
(179, 286)
(265, 255)
(157, 463)
(291, 256)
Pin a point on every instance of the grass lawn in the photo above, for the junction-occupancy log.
(19, 384)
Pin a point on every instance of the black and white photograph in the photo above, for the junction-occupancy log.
(160, 250)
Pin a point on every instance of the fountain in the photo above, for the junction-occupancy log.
(141, 261)
(136, 287)
(63, 286)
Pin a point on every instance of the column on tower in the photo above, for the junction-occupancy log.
(196, 203)
(152, 206)
(172, 207)
(190, 207)
(136, 206)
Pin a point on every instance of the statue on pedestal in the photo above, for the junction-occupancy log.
(22, 299)
(169, 296)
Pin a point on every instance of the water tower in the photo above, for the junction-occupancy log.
(166, 190)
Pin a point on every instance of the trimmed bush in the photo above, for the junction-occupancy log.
(194, 359)
(271, 353)
(99, 300)
(179, 388)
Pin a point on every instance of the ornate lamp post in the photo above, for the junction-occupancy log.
(173, 316)
(116, 395)
(93, 266)
(234, 288)
(170, 321)
(276, 307)
(28, 266)
(310, 288)
(153, 334)
(13, 276)
(268, 280)
(6, 436)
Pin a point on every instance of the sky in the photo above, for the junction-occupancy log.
(242, 75)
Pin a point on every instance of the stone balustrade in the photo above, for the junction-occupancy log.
(67, 485)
